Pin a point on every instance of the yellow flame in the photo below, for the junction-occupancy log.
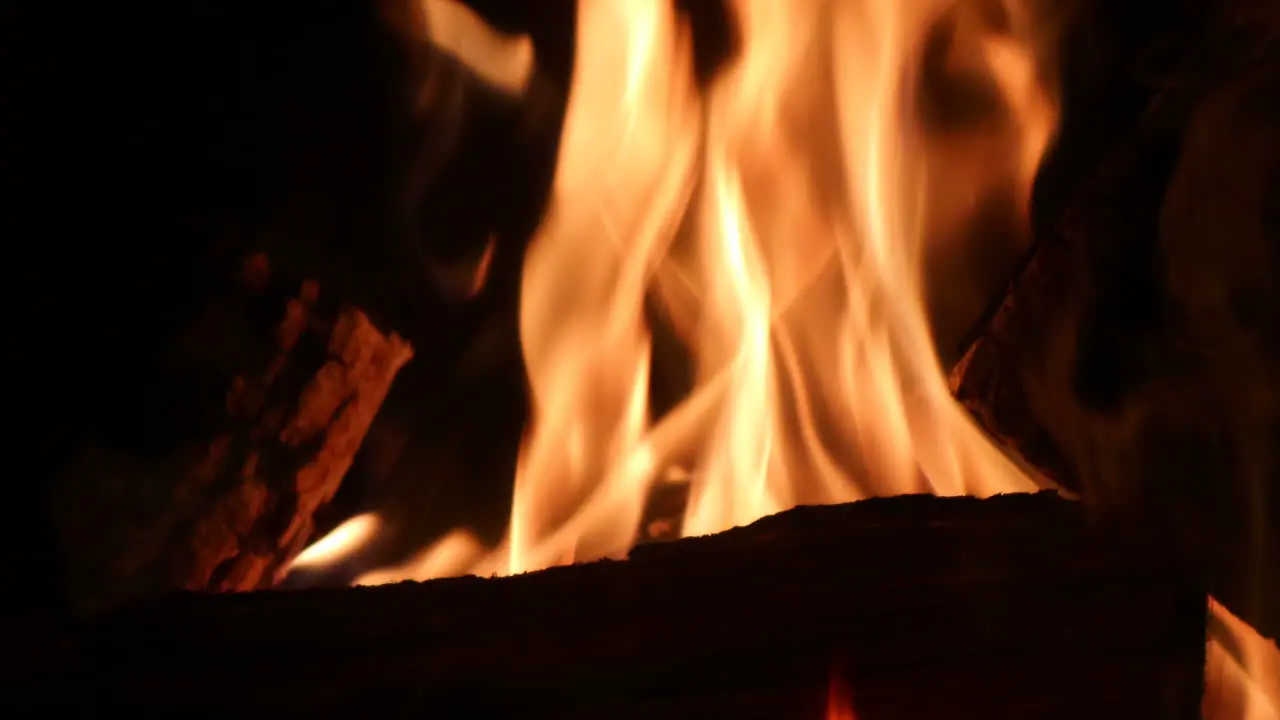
(625, 172)
(341, 542)
(453, 554)
(504, 61)
(778, 219)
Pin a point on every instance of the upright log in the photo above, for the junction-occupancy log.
(1137, 357)
(924, 607)
(279, 388)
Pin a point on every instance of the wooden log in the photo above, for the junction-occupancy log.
(1013, 606)
(1095, 268)
(278, 388)
(1135, 359)
(1073, 331)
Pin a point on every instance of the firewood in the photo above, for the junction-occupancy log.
(1027, 344)
(284, 387)
(1135, 358)
(925, 607)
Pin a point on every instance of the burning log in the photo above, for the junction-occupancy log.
(283, 387)
(929, 607)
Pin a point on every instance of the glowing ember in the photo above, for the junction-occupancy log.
(454, 554)
(780, 220)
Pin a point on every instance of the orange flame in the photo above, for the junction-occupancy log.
(779, 219)
(504, 61)
(341, 542)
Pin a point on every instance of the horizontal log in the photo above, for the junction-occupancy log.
(1013, 606)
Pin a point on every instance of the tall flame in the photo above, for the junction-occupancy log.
(776, 220)
(779, 221)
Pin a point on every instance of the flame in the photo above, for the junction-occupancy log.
(340, 543)
(777, 219)
(453, 554)
(504, 61)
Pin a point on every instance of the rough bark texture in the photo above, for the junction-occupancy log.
(278, 391)
(1137, 357)
(1014, 606)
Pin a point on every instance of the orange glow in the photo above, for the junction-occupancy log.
(778, 219)
(453, 554)
(839, 702)
(341, 542)
(1242, 683)
(504, 61)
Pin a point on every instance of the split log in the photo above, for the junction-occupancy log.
(1013, 606)
(1067, 333)
(277, 389)
(1136, 358)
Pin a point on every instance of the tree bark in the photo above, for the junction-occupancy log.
(924, 607)
(271, 394)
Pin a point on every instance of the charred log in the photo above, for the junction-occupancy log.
(273, 391)
(929, 607)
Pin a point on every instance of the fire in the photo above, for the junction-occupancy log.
(506, 62)
(339, 543)
(778, 220)
(453, 554)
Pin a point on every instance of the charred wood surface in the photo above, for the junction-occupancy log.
(1136, 358)
(1014, 606)
(271, 393)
